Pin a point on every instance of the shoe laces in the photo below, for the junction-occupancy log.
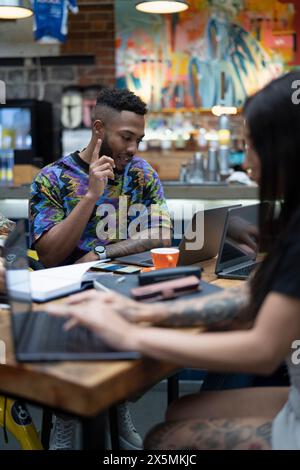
(64, 432)
(125, 417)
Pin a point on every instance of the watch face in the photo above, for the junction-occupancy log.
(99, 249)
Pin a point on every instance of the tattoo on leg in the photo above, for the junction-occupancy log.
(264, 431)
(161, 436)
(210, 434)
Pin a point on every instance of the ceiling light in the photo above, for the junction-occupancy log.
(15, 9)
(162, 6)
(219, 110)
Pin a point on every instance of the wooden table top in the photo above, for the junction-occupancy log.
(84, 388)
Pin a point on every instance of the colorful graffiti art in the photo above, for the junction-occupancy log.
(175, 61)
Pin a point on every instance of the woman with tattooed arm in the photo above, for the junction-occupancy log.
(264, 317)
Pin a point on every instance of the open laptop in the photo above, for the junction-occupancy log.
(37, 335)
(210, 225)
(239, 243)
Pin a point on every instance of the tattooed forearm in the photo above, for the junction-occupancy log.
(220, 311)
(143, 243)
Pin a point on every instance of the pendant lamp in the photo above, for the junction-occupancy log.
(161, 6)
(15, 9)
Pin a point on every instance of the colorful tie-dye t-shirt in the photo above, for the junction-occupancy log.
(132, 202)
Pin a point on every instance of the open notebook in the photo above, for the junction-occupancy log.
(45, 284)
(48, 284)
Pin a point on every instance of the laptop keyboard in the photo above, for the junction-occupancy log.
(245, 271)
(43, 332)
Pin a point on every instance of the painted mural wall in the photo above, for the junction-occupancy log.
(175, 61)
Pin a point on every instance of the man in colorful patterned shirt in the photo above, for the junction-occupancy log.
(104, 197)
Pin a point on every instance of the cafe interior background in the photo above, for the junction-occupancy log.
(194, 69)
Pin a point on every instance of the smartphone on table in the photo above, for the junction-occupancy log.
(116, 268)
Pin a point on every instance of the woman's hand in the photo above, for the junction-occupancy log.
(94, 314)
(135, 312)
(107, 314)
(244, 233)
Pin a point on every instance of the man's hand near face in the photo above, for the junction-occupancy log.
(101, 169)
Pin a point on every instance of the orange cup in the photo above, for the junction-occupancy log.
(165, 257)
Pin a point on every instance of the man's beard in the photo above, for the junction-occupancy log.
(119, 160)
(106, 149)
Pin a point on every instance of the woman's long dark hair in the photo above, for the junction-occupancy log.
(273, 118)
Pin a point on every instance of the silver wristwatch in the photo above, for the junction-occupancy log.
(100, 251)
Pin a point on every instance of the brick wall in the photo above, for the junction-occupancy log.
(92, 32)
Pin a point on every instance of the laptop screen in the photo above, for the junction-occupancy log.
(17, 276)
(239, 243)
(201, 240)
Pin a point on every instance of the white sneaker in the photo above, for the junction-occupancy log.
(64, 433)
(128, 435)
